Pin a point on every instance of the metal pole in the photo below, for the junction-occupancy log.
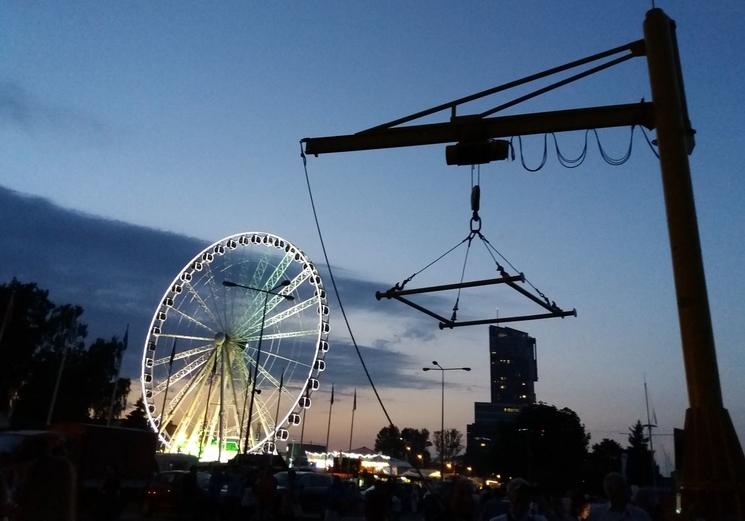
(52, 404)
(256, 371)
(442, 428)
(713, 463)
(222, 400)
(328, 427)
(162, 425)
(351, 428)
(276, 414)
(207, 408)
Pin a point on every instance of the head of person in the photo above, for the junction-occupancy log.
(616, 489)
(519, 494)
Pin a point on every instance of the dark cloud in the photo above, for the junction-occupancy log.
(388, 368)
(118, 271)
(19, 108)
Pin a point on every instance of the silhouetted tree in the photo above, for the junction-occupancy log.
(543, 444)
(61, 348)
(137, 418)
(37, 338)
(417, 441)
(24, 309)
(605, 457)
(453, 443)
(389, 442)
(640, 466)
(101, 372)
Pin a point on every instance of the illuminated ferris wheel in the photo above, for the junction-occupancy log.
(235, 348)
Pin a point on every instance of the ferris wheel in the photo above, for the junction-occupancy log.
(235, 348)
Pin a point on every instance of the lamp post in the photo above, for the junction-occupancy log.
(266, 292)
(438, 367)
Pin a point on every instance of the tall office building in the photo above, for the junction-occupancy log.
(514, 367)
(513, 372)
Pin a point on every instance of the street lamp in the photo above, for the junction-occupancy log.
(438, 367)
(266, 292)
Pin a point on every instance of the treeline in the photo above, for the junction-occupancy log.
(544, 444)
(43, 346)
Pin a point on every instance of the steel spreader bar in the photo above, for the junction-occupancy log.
(558, 314)
(393, 292)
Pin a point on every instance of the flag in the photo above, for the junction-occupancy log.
(282, 379)
(332, 394)
(173, 355)
(654, 417)
(354, 404)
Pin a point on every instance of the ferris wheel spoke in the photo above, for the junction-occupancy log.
(196, 296)
(279, 336)
(185, 354)
(192, 319)
(279, 271)
(284, 315)
(185, 391)
(256, 306)
(186, 337)
(259, 272)
(264, 417)
(213, 289)
(230, 362)
(296, 362)
(272, 380)
(197, 383)
(253, 317)
(181, 374)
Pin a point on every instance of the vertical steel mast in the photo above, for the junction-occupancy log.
(713, 462)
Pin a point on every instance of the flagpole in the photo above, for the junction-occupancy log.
(118, 363)
(328, 428)
(162, 425)
(351, 429)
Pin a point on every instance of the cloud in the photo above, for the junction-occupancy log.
(20, 109)
(388, 368)
(118, 271)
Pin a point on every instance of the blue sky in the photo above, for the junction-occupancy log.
(185, 117)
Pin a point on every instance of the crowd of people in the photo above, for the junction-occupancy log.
(233, 493)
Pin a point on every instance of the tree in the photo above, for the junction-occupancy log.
(24, 309)
(389, 442)
(417, 441)
(637, 439)
(102, 369)
(605, 457)
(137, 418)
(43, 343)
(59, 353)
(453, 443)
(640, 467)
(545, 445)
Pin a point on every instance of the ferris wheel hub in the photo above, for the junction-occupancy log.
(220, 339)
